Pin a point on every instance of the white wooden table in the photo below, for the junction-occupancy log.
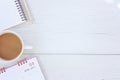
(57, 30)
(80, 67)
(74, 26)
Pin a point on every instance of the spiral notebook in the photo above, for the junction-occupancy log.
(12, 13)
(25, 69)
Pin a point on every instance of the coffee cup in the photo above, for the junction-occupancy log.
(11, 46)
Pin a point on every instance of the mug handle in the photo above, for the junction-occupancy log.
(28, 47)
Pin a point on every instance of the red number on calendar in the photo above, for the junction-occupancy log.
(31, 64)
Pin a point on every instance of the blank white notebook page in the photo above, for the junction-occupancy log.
(9, 14)
(28, 71)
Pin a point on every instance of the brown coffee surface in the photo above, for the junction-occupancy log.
(10, 46)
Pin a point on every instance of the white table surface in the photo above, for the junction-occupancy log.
(74, 26)
(56, 31)
(80, 67)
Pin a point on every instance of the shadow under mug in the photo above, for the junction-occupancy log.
(11, 46)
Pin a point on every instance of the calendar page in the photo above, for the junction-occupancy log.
(26, 69)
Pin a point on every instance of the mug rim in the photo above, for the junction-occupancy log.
(21, 40)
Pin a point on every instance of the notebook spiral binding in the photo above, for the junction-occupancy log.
(21, 62)
(2, 70)
(20, 10)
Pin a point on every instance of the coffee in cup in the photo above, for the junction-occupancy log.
(11, 46)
